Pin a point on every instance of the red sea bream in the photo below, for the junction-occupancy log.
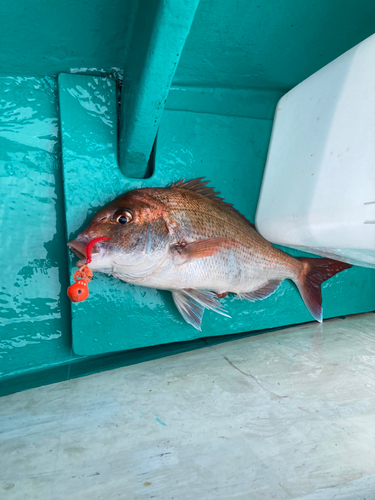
(188, 240)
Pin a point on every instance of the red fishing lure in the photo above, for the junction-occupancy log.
(90, 246)
(79, 291)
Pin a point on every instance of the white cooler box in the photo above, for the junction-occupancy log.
(318, 191)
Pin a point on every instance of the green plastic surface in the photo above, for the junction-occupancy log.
(35, 315)
(120, 316)
(269, 44)
(238, 59)
(151, 63)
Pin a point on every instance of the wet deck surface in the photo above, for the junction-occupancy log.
(286, 414)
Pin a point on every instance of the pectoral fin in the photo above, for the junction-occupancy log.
(201, 248)
(191, 304)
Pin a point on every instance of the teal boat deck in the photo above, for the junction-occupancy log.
(217, 121)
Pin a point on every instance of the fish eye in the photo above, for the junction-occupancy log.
(123, 216)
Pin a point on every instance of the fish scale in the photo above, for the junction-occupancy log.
(186, 239)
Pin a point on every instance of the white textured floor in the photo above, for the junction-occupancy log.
(288, 414)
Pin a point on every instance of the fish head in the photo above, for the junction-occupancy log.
(138, 232)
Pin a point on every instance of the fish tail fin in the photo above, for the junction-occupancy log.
(313, 274)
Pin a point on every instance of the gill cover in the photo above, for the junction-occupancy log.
(146, 248)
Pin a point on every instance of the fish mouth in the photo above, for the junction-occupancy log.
(78, 248)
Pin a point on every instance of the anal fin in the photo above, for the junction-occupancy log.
(263, 292)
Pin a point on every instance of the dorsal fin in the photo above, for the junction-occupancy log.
(199, 186)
